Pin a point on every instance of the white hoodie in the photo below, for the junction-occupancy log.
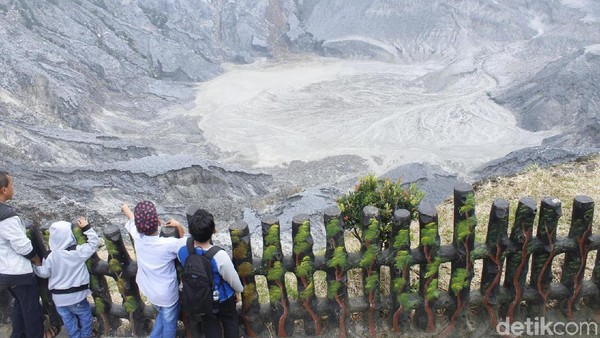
(66, 268)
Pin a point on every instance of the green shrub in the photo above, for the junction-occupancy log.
(384, 194)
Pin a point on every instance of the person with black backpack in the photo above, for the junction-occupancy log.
(211, 285)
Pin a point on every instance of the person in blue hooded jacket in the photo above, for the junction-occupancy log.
(69, 277)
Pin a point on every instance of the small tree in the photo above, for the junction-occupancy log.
(384, 194)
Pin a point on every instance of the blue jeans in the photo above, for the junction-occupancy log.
(165, 324)
(77, 319)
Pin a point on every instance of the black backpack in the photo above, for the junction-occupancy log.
(197, 280)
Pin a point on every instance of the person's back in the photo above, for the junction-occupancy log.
(156, 275)
(226, 280)
(68, 276)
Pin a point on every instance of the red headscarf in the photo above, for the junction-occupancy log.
(146, 218)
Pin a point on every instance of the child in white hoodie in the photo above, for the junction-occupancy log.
(69, 277)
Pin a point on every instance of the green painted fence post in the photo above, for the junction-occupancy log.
(273, 264)
(123, 269)
(336, 258)
(400, 270)
(541, 264)
(242, 259)
(303, 261)
(429, 245)
(370, 268)
(517, 262)
(496, 242)
(575, 259)
(463, 242)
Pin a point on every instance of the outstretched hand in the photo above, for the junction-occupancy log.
(126, 211)
(173, 223)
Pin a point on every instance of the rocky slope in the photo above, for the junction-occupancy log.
(94, 93)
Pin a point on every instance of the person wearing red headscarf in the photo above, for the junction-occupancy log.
(156, 274)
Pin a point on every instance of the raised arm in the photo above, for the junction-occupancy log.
(87, 249)
(175, 224)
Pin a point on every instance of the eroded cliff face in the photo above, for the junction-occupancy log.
(94, 94)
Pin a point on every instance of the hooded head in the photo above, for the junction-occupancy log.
(146, 218)
(61, 236)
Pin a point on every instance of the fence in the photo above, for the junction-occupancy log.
(403, 308)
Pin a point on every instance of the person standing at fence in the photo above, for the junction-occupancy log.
(16, 273)
(224, 323)
(69, 277)
(156, 274)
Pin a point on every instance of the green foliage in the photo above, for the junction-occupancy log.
(130, 304)
(339, 258)
(45, 234)
(272, 237)
(480, 252)
(465, 227)
(469, 205)
(121, 285)
(79, 236)
(429, 234)
(402, 260)
(383, 194)
(432, 268)
(249, 294)
(100, 306)
(432, 291)
(308, 292)
(406, 302)
(305, 269)
(240, 250)
(275, 293)
(332, 228)
(276, 272)
(402, 239)
(111, 248)
(114, 266)
(372, 282)
(333, 288)
(269, 253)
(460, 280)
(371, 233)
(368, 257)
(301, 244)
(94, 282)
(245, 269)
(399, 284)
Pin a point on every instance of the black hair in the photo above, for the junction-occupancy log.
(4, 179)
(201, 225)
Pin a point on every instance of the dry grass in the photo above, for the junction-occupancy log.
(563, 181)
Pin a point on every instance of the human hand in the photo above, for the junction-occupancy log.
(36, 260)
(82, 222)
(126, 211)
(172, 223)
